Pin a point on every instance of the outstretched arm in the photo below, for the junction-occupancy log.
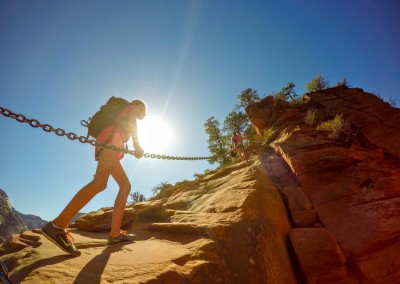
(133, 129)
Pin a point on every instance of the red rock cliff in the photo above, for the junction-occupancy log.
(347, 225)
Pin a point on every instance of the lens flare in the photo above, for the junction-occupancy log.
(155, 134)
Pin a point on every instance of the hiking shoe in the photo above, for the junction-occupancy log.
(121, 239)
(61, 238)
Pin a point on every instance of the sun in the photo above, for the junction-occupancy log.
(155, 134)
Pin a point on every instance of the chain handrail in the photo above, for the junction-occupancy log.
(4, 273)
(84, 139)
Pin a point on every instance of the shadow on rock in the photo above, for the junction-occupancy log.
(24, 272)
(92, 271)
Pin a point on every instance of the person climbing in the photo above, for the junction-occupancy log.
(108, 164)
(237, 145)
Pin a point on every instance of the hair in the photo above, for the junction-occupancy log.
(139, 103)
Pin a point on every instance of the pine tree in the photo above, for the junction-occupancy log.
(217, 144)
(287, 93)
(247, 97)
(235, 122)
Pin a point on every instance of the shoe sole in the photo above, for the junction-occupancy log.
(57, 244)
(120, 243)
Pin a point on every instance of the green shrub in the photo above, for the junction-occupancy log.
(279, 96)
(336, 127)
(267, 134)
(318, 83)
(137, 197)
(310, 117)
(206, 172)
(162, 186)
(297, 101)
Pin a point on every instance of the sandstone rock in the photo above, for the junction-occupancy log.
(100, 221)
(304, 218)
(352, 181)
(17, 242)
(228, 227)
(296, 198)
(319, 255)
(377, 121)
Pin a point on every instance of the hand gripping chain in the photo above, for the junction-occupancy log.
(72, 136)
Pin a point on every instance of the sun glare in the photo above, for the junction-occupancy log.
(155, 134)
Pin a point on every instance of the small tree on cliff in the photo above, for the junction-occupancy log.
(318, 83)
(287, 92)
(137, 197)
(247, 97)
(217, 144)
(160, 187)
(235, 122)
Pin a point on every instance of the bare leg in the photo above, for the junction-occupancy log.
(120, 177)
(240, 154)
(107, 160)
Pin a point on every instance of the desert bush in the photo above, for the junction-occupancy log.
(318, 83)
(137, 197)
(267, 134)
(342, 82)
(337, 127)
(297, 101)
(206, 172)
(392, 102)
(310, 118)
(161, 187)
(378, 95)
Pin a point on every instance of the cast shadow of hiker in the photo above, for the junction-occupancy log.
(20, 275)
(92, 271)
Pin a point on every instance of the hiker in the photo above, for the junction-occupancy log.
(108, 165)
(237, 145)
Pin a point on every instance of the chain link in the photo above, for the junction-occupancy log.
(72, 136)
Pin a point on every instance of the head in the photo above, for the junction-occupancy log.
(234, 134)
(141, 108)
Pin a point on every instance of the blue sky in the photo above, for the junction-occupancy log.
(188, 60)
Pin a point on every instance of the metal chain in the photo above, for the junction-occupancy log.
(72, 136)
(4, 273)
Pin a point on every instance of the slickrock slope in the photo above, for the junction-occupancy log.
(345, 206)
(231, 226)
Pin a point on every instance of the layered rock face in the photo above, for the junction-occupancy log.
(10, 222)
(229, 227)
(345, 206)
